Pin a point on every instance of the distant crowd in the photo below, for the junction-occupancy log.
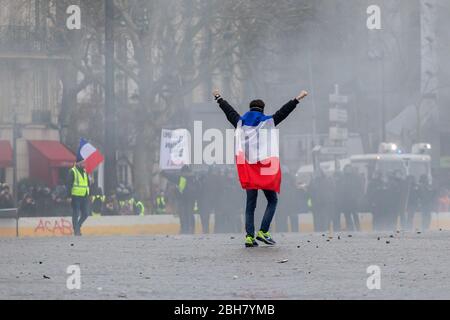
(390, 197)
(37, 201)
(6, 198)
(43, 201)
(332, 199)
(335, 200)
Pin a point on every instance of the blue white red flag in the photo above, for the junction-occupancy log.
(90, 155)
(257, 152)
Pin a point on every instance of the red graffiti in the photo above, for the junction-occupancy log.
(54, 226)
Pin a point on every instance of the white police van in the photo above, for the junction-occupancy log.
(388, 160)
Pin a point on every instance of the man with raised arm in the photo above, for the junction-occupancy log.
(257, 159)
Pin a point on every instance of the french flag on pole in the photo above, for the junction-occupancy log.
(91, 156)
(257, 152)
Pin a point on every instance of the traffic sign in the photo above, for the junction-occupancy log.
(334, 150)
(337, 133)
(338, 115)
(338, 99)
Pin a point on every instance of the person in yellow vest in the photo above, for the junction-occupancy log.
(98, 202)
(78, 189)
(160, 203)
(131, 202)
(139, 208)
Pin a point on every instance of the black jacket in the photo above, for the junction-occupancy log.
(233, 116)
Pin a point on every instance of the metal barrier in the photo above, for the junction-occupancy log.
(11, 213)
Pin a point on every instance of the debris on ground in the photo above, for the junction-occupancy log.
(283, 261)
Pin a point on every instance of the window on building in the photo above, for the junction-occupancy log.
(123, 173)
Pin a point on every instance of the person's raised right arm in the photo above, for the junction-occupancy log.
(232, 115)
(284, 112)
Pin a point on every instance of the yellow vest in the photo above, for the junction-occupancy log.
(160, 202)
(102, 198)
(141, 207)
(182, 184)
(80, 186)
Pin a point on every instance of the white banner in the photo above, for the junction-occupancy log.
(175, 149)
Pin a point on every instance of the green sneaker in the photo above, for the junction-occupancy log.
(250, 242)
(265, 237)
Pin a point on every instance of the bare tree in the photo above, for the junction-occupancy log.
(82, 69)
(178, 45)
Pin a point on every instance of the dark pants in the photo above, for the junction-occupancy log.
(351, 220)
(80, 212)
(336, 219)
(252, 197)
(204, 217)
(323, 214)
(377, 219)
(187, 221)
(204, 211)
(407, 221)
(426, 219)
(293, 219)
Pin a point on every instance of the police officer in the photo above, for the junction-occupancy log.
(289, 208)
(376, 197)
(185, 199)
(350, 192)
(203, 200)
(221, 224)
(427, 196)
(78, 187)
(321, 190)
(412, 204)
(395, 198)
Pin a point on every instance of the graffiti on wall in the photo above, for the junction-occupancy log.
(54, 226)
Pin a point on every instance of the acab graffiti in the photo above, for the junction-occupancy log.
(59, 226)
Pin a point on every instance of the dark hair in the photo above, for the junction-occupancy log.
(257, 104)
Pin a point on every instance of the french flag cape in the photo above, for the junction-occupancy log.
(91, 156)
(257, 152)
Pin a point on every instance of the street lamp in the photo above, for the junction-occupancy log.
(15, 135)
(110, 107)
(378, 55)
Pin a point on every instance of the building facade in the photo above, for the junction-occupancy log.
(30, 93)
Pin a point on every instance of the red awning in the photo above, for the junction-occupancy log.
(54, 152)
(46, 160)
(6, 154)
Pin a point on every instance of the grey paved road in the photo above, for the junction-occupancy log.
(412, 265)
